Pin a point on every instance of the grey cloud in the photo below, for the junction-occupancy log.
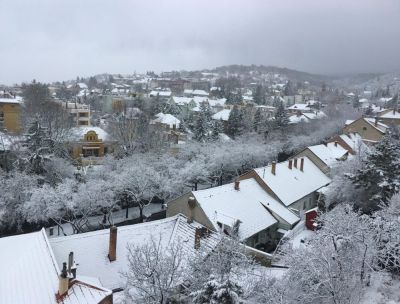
(55, 40)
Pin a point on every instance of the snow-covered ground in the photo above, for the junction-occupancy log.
(383, 290)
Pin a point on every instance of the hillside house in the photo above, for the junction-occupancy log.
(352, 142)
(294, 183)
(104, 253)
(10, 114)
(242, 208)
(91, 142)
(325, 156)
(389, 117)
(370, 129)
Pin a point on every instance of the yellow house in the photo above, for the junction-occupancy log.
(10, 115)
(89, 142)
(370, 129)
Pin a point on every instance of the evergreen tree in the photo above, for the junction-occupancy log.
(288, 91)
(356, 102)
(281, 118)
(379, 177)
(217, 128)
(258, 120)
(369, 111)
(39, 147)
(235, 122)
(203, 123)
(259, 95)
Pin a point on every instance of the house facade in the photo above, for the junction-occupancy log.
(370, 129)
(89, 142)
(10, 115)
(242, 208)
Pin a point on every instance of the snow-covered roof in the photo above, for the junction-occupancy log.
(222, 115)
(30, 273)
(371, 121)
(217, 102)
(196, 92)
(163, 93)
(392, 114)
(182, 100)
(290, 185)
(225, 205)
(354, 141)
(295, 119)
(10, 100)
(300, 107)
(167, 119)
(78, 133)
(91, 249)
(315, 115)
(265, 107)
(329, 153)
(377, 125)
(82, 85)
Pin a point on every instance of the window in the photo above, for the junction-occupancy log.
(365, 128)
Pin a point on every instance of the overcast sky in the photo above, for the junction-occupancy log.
(61, 39)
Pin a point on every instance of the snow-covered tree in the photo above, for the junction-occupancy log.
(235, 122)
(154, 271)
(259, 95)
(281, 117)
(225, 275)
(202, 125)
(379, 178)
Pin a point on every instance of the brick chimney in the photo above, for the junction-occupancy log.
(197, 238)
(237, 184)
(63, 281)
(112, 248)
(295, 163)
(273, 168)
(335, 143)
(290, 164)
(192, 205)
(302, 164)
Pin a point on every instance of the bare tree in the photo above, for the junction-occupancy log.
(154, 271)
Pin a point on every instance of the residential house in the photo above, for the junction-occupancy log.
(192, 93)
(80, 113)
(103, 254)
(242, 208)
(370, 129)
(10, 114)
(31, 274)
(294, 183)
(223, 116)
(352, 142)
(325, 156)
(299, 108)
(85, 141)
(389, 117)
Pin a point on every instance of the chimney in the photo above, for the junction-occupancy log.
(192, 205)
(112, 249)
(63, 281)
(273, 168)
(295, 163)
(335, 143)
(290, 164)
(376, 121)
(394, 111)
(237, 183)
(70, 261)
(197, 238)
(302, 164)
